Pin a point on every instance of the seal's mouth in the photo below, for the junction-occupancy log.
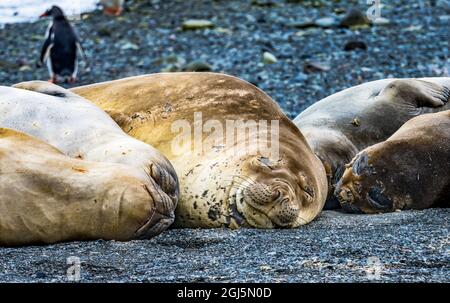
(162, 215)
(261, 205)
(257, 205)
(154, 226)
(251, 213)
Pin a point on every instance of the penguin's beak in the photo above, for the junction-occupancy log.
(43, 15)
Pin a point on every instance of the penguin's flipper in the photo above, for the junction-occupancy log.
(48, 43)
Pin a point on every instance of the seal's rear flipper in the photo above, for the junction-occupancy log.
(419, 93)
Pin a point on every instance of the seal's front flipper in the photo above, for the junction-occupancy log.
(419, 93)
(46, 88)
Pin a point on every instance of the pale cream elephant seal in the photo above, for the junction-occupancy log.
(410, 170)
(81, 130)
(341, 125)
(48, 197)
(225, 181)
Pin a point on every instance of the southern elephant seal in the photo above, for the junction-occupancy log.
(220, 185)
(410, 170)
(48, 197)
(81, 130)
(341, 125)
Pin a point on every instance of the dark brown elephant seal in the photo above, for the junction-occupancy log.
(410, 170)
(221, 184)
(341, 125)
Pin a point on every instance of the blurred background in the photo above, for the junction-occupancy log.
(298, 51)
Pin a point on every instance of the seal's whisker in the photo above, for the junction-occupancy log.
(246, 179)
(236, 178)
(299, 218)
(239, 185)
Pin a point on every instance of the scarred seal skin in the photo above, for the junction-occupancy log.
(219, 188)
(341, 125)
(48, 197)
(410, 170)
(81, 130)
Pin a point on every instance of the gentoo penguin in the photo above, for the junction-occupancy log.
(60, 47)
(112, 7)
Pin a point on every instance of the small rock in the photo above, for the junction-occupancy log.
(7, 64)
(223, 30)
(339, 10)
(366, 69)
(197, 66)
(263, 3)
(172, 59)
(265, 268)
(169, 69)
(444, 5)
(269, 58)
(314, 67)
(354, 18)
(172, 63)
(24, 68)
(250, 18)
(303, 23)
(355, 44)
(104, 32)
(414, 28)
(381, 21)
(37, 37)
(356, 122)
(194, 24)
(326, 22)
(301, 77)
(128, 46)
(307, 32)
(444, 19)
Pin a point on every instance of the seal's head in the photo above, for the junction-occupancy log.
(360, 191)
(162, 190)
(272, 193)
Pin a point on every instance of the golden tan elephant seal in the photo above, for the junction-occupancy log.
(221, 184)
(341, 125)
(81, 130)
(410, 170)
(48, 197)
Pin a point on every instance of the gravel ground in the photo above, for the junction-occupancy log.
(405, 246)
(148, 38)
(410, 246)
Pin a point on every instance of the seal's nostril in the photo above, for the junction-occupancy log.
(284, 201)
(276, 195)
(162, 202)
(344, 195)
(165, 180)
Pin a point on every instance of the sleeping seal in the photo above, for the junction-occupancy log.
(226, 179)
